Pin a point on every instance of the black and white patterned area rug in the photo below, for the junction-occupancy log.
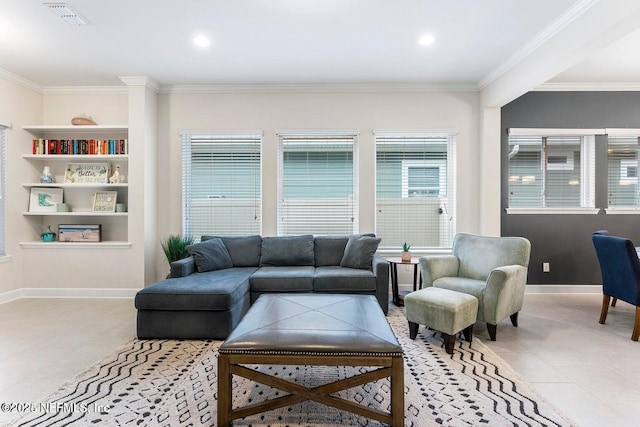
(173, 383)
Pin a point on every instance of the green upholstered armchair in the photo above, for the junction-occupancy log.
(493, 269)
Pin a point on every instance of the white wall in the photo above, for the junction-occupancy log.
(105, 108)
(18, 106)
(56, 268)
(268, 112)
(362, 112)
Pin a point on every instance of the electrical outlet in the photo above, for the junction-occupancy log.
(546, 267)
(407, 268)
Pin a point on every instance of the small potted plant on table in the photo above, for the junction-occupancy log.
(406, 255)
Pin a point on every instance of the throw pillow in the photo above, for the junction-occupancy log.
(359, 252)
(210, 255)
(243, 250)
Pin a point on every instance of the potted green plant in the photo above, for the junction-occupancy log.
(175, 247)
(406, 255)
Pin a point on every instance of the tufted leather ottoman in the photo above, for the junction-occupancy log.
(312, 329)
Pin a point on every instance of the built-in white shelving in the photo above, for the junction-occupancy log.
(78, 195)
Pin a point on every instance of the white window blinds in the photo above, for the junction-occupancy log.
(415, 189)
(3, 187)
(547, 171)
(317, 184)
(622, 156)
(221, 184)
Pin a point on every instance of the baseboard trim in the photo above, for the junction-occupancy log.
(544, 289)
(563, 289)
(67, 293)
(130, 293)
(10, 296)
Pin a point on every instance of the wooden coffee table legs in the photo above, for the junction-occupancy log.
(389, 366)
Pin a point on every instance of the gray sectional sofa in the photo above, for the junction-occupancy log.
(208, 293)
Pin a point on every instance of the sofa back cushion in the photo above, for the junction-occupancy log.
(479, 255)
(292, 250)
(243, 250)
(328, 250)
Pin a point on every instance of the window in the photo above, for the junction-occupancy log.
(3, 191)
(551, 171)
(622, 156)
(317, 184)
(221, 184)
(423, 179)
(415, 189)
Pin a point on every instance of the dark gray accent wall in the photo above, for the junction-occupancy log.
(564, 241)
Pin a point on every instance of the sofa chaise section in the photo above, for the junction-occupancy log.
(193, 309)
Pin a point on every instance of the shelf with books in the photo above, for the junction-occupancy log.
(76, 157)
(87, 131)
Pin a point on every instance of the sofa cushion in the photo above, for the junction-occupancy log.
(210, 255)
(359, 251)
(213, 290)
(282, 279)
(335, 279)
(328, 250)
(243, 250)
(287, 251)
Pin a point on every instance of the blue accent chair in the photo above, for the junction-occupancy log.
(620, 268)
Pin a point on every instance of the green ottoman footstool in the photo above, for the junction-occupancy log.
(446, 311)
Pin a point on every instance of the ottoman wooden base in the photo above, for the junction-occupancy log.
(230, 364)
(313, 330)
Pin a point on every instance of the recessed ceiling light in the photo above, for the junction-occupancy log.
(201, 41)
(426, 40)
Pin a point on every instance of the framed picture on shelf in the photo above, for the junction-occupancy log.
(80, 233)
(44, 199)
(87, 173)
(105, 201)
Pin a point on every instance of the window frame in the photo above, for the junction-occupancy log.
(223, 137)
(285, 136)
(3, 190)
(624, 133)
(447, 185)
(442, 175)
(587, 170)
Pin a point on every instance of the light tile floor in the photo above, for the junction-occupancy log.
(586, 370)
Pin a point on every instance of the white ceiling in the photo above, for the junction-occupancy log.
(303, 42)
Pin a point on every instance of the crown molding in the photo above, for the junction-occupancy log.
(546, 34)
(589, 87)
(20, 81)
(84, 90)
(317, 88)
(141, 81)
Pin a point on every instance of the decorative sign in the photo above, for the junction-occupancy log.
(105, 201)
(44, 199)
(79, 233)
(87, 173)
